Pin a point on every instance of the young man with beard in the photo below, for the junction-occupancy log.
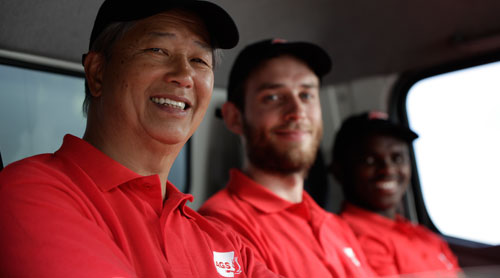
(102, 206)
(274, 106)
(372, 162)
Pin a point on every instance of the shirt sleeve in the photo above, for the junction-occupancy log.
(254, 267)
(247, 233)
(355, 245)
(244, 233)
(47, 233)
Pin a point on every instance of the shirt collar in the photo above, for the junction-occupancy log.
(262, 198)
(176, 199)
(107, 174)
(374, 217)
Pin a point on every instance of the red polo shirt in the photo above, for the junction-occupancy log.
(78, 213)
(399, 246)
(294, 240)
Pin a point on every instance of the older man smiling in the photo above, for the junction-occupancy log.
(103, 206)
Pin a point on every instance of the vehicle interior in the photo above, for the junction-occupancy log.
(387, 56)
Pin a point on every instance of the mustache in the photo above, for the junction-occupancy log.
(294, 126)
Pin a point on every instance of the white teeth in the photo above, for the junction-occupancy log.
(169, 102)
(390, 185)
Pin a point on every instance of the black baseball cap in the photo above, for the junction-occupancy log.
(219, 23)
(254, 54)
(360, 126)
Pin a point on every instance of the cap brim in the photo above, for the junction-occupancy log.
(219, 24)
(402, 132)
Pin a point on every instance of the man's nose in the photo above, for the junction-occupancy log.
(180, 72)
(387, 166)
(295, 109)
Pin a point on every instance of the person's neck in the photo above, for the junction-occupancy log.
(387, 213)
(144, 158)
(287, 186)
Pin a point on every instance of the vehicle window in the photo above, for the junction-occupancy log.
(457, 116)
(38, 108)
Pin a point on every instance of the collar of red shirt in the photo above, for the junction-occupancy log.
(264, 199)
(399, 223)
(108, 174)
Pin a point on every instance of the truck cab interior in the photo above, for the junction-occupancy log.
(431, 65)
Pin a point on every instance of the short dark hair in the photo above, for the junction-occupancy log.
(104, 44)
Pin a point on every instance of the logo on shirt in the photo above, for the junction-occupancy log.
(442, 257)
(226, 264)
(350, 254)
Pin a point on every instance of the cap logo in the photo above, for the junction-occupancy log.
(377, 115)
(275, 41)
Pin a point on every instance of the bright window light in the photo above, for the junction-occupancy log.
(457, 116)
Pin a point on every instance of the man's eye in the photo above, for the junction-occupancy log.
(306, 95)
(269, 98)
(155, 50)
(398, 159)
(201, 61)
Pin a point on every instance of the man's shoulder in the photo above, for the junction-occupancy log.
(39, 176)
(218, 200)
(333, 220)
(41, 183)
(36, 166)
(228, 208)
(221, 200)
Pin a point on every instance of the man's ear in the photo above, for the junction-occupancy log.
(232, 117)
(94, 65)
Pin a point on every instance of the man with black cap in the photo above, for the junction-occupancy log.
(372, 162)
(273, 105)
(102, 206)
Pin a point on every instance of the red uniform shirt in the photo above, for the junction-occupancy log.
(399, 246)
(78, 213)
(294, 240)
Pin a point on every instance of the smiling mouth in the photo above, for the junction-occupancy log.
(388, 185)
(170, 103)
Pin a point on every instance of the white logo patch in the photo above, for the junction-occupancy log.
(442, 257)
(350, 253)
(226, 264)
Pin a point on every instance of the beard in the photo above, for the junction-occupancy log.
(269, 155)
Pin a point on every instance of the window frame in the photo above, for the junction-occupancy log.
(34, 62)
(414, 201)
